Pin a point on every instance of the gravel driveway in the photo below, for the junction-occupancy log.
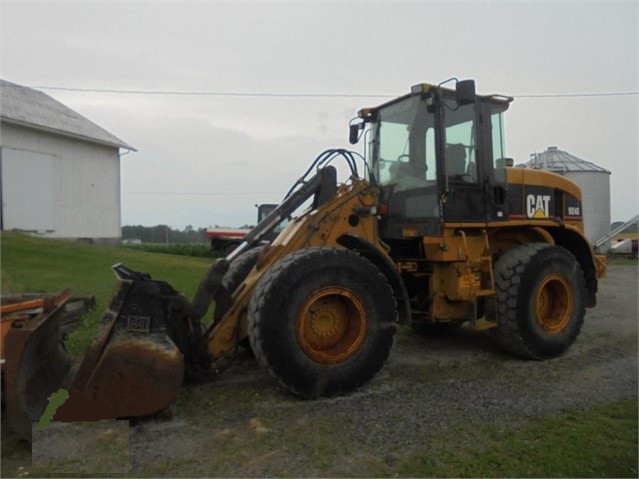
(242, 424)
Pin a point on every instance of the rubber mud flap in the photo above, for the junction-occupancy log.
(131, 368)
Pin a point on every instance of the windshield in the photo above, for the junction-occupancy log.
(266, 209)
(403, 156)
(403, 145)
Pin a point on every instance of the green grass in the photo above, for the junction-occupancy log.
(621, 260)
(36, 264)
(598, 442)
(31, 264)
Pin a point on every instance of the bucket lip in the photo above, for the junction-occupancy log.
(24, 337)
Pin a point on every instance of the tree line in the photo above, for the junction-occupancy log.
(164, 234)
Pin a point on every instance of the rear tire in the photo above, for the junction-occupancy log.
(540, 300)
(322, 321)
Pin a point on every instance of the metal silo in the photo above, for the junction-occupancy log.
(595, 187)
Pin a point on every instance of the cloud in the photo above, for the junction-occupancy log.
(244, 148)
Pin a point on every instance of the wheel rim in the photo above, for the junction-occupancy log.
(331, 325)
(554, 303)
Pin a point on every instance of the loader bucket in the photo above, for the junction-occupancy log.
(131, 368)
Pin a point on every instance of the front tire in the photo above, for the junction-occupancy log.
(322, 321)
(540, 300)
(237, 273)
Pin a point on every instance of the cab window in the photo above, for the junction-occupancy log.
(459, 155)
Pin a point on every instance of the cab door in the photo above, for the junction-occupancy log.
(474, 182)
(463, 197)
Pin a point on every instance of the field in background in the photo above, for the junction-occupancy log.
(36, 264)
(31, 264)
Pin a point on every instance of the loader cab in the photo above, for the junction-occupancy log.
(265, 209)
(436, 155)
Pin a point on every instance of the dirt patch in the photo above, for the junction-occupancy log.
(242, 424)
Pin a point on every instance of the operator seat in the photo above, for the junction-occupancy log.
(456, 160)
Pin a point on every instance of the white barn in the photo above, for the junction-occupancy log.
(59, 172)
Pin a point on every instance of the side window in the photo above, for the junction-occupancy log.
(393, 150)
(497, 133)
(461, 165)
(431, 160)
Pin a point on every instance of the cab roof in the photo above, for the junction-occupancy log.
(425, 88)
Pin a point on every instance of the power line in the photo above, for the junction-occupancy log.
(189, 193)
(570, 95)
(302, 94)
(214, 93)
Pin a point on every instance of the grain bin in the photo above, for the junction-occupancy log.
(594, 182)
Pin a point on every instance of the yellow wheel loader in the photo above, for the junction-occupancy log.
(439, 229)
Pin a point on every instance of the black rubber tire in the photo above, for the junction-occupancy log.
(276, 312)
(239, 268)
(530, 279)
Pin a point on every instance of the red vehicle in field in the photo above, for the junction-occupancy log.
(225, 240)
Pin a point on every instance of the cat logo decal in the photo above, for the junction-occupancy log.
(538, 206)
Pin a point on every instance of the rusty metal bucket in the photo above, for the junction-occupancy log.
(132, 367)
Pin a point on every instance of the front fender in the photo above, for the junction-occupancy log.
(386, 266)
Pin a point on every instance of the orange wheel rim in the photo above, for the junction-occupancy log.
(331, 325)
(554, 303)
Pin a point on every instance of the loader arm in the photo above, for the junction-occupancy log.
(322, 186)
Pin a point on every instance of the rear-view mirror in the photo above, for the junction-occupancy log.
(465, 92)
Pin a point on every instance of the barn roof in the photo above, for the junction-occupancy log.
(560, 161)
(25, 106)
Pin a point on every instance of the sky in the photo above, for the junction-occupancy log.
(283, 79)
